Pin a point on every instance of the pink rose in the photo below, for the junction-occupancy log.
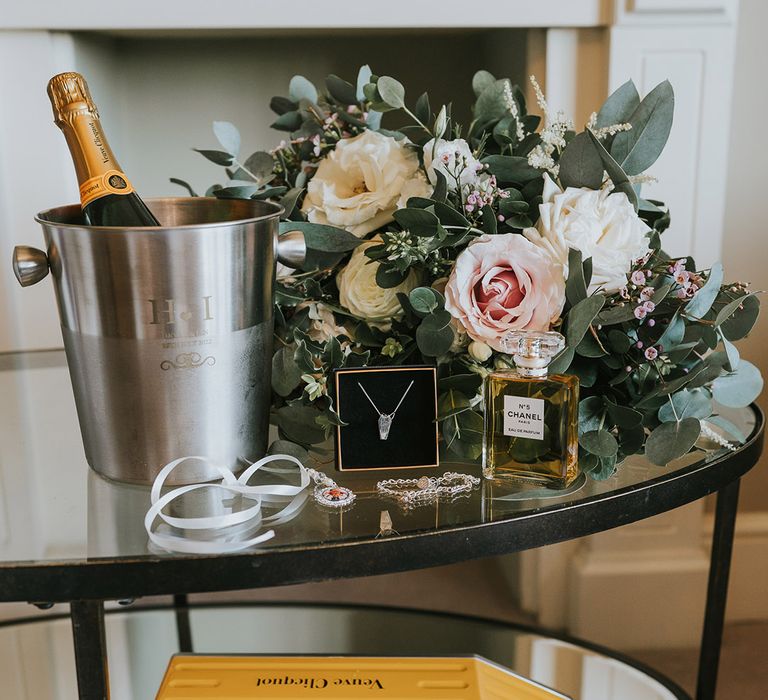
(503, 283)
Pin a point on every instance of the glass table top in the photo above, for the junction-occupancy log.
(142, 641)
(56, 509)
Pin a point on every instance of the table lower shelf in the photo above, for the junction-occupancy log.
(142, 639)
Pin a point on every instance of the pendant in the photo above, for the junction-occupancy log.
(334, 496)
(385, 423)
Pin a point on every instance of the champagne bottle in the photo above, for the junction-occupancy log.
(106, 194)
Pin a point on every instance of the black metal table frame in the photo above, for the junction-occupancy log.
(86, 585)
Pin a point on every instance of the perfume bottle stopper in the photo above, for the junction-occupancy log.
(533, 350)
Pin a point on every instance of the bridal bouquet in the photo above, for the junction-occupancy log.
(430, 239)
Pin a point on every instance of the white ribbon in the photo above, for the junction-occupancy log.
(252, 516)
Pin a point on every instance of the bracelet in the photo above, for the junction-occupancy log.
(413, 492)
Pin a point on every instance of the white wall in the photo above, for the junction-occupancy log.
(745, 252)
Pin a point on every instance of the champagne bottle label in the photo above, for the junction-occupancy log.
(110, 182)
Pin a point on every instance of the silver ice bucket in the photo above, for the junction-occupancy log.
(167, 331)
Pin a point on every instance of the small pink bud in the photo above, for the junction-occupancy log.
(651, 322)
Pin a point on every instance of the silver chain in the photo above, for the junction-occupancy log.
(375, 408)
(412, 492)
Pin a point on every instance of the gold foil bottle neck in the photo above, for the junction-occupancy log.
(69, 94)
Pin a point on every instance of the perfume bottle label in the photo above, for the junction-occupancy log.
(524, 417)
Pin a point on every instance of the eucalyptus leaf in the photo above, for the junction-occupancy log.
(389, 278)
(481, 80)
(363, 78)
(605, 469)
(185, 185)
(237, 192)
(440, 192)
(733, 430)
(281, 105)
(616, 314)
(285, 447)
(688, 403)
(619, 107)
(424, 300)
(491, 104)
(581, 316)
(341, 91)
(218, 157)
(736, 320)
(672, 440)
(302, 89)
(615, 172)
(562, 361)
(434, 336)
(600, 443)
(463, 434)
(631, 439)
(511, 169)
(581, 164)
(260, 164)
(328, 239)
(451, 403)
(591, 413)
(289, 201)
(619, 341)
(575, 286)
(624, 416)
(286, 374)
(673, 334)
(699, 306)
(297, 422)
(739, 388)
(422, 110)
(731, 352)
(468, 384)
(391, 91)
(228, 136)
(636, 150)
(420, 222)
(290, 121)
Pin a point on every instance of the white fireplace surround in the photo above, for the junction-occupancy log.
(157, 102)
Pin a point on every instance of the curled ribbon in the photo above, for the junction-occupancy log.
(227, 524)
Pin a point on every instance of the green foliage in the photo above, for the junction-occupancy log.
(648, 378)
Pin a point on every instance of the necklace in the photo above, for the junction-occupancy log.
(327, 492)
(385, 419)
(414, 492)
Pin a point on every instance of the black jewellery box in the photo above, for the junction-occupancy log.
(390, 415)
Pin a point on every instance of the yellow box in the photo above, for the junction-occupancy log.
(201, 677)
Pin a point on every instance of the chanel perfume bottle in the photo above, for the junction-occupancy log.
(531, 417)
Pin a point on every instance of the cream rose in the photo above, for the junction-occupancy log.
(359, 185)
(601, 224)
(503, 283)
(452, 159)
(361, 296)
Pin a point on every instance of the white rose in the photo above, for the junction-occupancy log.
(453, 159)
(358, 186)
(359, 293)
(601, 224)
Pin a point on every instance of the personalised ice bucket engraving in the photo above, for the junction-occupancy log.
(167, 331)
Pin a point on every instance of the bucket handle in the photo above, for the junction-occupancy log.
(291, 249)
(30, 265)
